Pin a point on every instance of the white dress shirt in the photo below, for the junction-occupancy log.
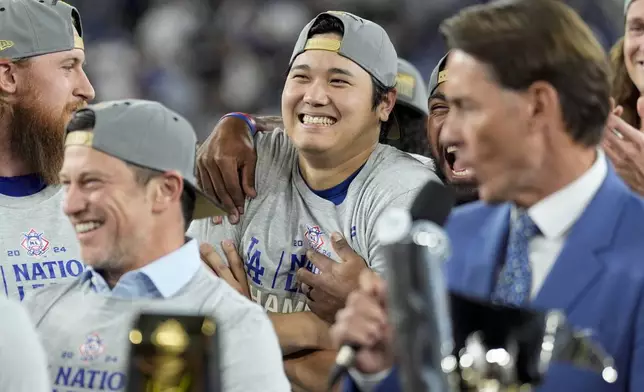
(554, 216)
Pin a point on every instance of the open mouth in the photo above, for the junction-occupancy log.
(317, 121)
(455, 165)
(87, 227)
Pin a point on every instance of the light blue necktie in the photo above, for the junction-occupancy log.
(515, 279)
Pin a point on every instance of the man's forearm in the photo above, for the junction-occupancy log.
(310, 371)
(300, 331)
(268, 123)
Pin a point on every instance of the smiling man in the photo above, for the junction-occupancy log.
(130, 206)
(324, 174)
(42, 82)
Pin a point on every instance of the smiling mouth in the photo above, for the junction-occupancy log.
(86, 227)
(317, 121)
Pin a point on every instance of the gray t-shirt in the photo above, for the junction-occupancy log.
(38, 245)
(23, 364)
(287, 217)
(85, 334)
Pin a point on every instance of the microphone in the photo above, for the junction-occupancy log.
(432, 204)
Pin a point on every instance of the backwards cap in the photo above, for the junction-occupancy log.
(147, 134)
(364, 42)
(411, 87)
(439, 75)
(32, 28)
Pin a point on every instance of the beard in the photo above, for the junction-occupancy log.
(37, 136)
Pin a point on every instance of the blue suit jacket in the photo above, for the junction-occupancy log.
(598, 279)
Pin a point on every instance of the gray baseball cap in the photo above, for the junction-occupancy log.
(411, 87)
(147, 134)
(439, 75)
(364, 42)
(32, 28)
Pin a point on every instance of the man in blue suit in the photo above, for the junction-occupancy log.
(556, 227)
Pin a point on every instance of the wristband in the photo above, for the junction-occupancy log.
(252, 125)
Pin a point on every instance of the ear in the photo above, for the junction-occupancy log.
(8, 79)
(166, 190)
(544, 106)
(387, 105)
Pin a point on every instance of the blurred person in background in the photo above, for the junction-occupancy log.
(556, 227)
(130, 207)
(408, 132)
(42, 82)
(321, 184)
(450, 168)
(624, 139)
(23, 363)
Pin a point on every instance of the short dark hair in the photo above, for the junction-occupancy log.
(412, 125)
(524, 41)
(326, 24)
(85, 119)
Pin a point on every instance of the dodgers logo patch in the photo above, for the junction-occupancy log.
(34, 243)
(314, 236)
(92, 348)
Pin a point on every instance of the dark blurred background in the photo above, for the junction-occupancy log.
(205, 58)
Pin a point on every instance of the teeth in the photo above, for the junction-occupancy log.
(87, 226)
(318, 120)
(462, 173)
(451, 149)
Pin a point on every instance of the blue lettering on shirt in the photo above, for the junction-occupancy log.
(35, 275)
(254, 267)
(87, 378)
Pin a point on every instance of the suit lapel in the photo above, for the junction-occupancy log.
(579, 263)
(486, 251)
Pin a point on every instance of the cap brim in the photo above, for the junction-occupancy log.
(205, 206)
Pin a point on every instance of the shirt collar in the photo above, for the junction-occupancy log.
(163, 277)
(556, 214)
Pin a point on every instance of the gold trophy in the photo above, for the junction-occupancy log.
(173, 354)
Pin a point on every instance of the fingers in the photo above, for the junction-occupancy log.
(222, 194)
(217, 220)
(234, 260)
(363, 321)
(248, 176)
(628, 132)
(308, 278)
(230, 176)
(323, 263)
(342, 248)
(212, 259)
(618, 111)
(373, 285)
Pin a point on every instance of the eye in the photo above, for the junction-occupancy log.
(339, 81)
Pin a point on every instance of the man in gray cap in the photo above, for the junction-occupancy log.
(130, 206)
(321, 184)
(227, 151)
(445, 148)
(42, 82)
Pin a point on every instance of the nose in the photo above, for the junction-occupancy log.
(316, 94)
(84, 88)
(451, 133)
(74, 201)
